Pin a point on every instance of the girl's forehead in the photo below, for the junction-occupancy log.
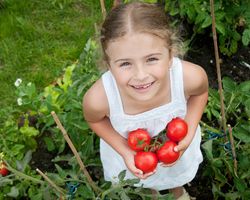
(136, 44)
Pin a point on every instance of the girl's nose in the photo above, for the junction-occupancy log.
(141, 73)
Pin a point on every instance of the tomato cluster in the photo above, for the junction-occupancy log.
(149, 151)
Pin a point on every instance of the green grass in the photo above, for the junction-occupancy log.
(39, 38)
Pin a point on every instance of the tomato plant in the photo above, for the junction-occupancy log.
(176, 129)
(146, 161)
(138, 139)
(3, 169)
(166, 153)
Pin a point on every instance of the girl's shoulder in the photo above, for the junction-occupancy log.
(95, 102)
(194, 79)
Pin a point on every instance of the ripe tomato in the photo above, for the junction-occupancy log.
(166, 153)
(3, 170)
(146, 161)
(138, 139)
(177, 129)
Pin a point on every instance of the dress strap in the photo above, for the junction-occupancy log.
(177, 87)
(112, 93)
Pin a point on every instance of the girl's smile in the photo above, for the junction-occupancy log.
(140, 64)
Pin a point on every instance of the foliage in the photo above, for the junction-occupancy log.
(229, 182)
(232, 20)
(237, 107)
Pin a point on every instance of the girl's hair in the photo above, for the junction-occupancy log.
(139, 17)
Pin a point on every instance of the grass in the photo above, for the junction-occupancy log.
(39, 38)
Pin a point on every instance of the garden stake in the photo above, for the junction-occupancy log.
(233, 149)
(60, 190)
(217, 58)
(96, 189)
(104, 13)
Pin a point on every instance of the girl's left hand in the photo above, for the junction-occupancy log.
(181, 147)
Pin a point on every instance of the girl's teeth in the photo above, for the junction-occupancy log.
(143, 86)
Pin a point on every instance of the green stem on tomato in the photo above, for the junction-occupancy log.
(22, 175)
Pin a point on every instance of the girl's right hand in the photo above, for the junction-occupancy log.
(130, 163)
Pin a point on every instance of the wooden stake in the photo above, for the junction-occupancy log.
(60, 190)
(73, 149)
(233, 148)
(104, 12)
(217, 58)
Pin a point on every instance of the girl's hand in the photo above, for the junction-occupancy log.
(181, 147)
(130, 163)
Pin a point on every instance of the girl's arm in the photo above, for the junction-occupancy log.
(96, 110)
(196, 90)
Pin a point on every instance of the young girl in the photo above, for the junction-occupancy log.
(146, 86)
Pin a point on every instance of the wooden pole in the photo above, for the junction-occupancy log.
(217, 58)
(233, 149)
(51, 182)
(73, 149)
(104, 12)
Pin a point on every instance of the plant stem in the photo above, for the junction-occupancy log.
(73, 149)
(217, 58)
(22, 175)
(60, 190)
(233, 148)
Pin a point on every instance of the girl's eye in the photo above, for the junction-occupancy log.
(124, 64)
(152, 59)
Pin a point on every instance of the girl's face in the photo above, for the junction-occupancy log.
(139, 63)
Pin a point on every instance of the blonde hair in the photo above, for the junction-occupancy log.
(139, 17)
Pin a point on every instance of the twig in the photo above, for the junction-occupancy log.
(217, 58)
(233, 148)
(104, 13)
(73, 149)
(60, 190)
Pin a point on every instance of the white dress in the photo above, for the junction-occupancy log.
(154, 121)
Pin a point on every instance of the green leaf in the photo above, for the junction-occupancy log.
(228, 84)
(122, 175)
(14, 192)
(123, 195)
(207, 22)
(17, 148)
(245, 86)
(246, 37)
(49, 143)
(86, 192)
(60, 171)
(221, 28)
(240, 184)
(29, 131)
(207, 146)
(242, 132)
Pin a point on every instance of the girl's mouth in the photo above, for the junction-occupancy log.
(142, 87)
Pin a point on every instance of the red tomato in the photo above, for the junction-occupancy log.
(166, 153)
(138, 139)
(146, 161)
(3, 170)
(177, 129)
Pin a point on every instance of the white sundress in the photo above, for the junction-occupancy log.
(154, 121)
